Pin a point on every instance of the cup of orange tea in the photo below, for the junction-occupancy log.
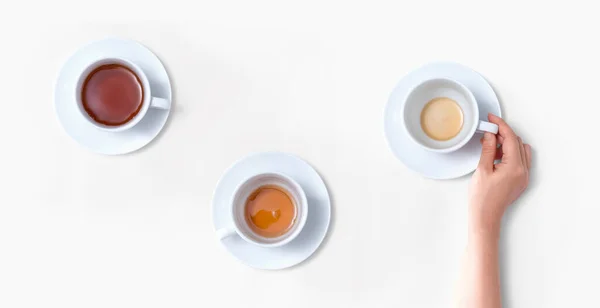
(268, 210)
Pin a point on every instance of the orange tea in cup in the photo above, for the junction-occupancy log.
(270, 211)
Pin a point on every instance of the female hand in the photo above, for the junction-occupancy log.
(495, 186)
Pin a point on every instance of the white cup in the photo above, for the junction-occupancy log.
(240, 227)
(427, 90)
(147, 103)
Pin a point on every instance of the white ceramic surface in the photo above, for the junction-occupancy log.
(237, 204)
(423, 93)
(427, 163)
(317, 222)
(87, 134)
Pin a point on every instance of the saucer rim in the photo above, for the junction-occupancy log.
(450, 69)
(309, 168)
(65, 66)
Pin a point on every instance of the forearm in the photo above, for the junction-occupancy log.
(480, 274)
(494, 187)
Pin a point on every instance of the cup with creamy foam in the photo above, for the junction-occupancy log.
(442, 115)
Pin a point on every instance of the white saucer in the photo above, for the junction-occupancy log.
(86, 134)
(429, 164)
(317, 223)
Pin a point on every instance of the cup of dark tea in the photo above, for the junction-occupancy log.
(114, 94)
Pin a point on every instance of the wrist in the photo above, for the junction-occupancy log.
(486, 234)
(483, 242)
(485, 223)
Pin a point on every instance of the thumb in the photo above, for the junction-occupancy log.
(488, 152)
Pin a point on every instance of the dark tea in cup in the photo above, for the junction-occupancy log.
(112, 94)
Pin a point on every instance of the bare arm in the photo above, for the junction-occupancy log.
(493, 189)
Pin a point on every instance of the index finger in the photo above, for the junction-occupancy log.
(503, 129)
(510, 143)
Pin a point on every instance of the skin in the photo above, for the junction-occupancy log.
(493, 189)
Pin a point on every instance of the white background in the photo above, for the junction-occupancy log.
(311, 78)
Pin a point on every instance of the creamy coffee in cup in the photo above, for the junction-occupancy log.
(442, 115)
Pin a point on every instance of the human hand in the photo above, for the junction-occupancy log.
(495, 187)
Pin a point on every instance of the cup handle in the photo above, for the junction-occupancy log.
(487, 127)
(160, 103)
(225, 232)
